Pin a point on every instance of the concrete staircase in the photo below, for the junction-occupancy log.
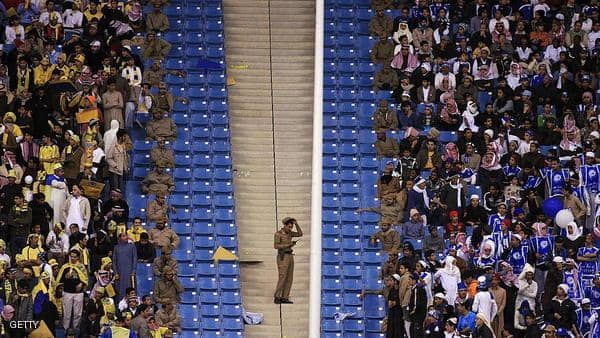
(269, 48)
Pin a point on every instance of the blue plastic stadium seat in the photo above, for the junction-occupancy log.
(228, 269)
(331, 298)
(331, 230)
(211, 324)
(210, 311)
(231, 310)
(231, 297)
(202, 214)
(228, 242)
(206, 269)
(374, 258)
(181, 228)
(331, 244)
(224, 215)
(201, 200)
(175, 64)
(204, 242)
(183, 255)
(331, 216)
(141, 160)
(223, 174)
(229, 283)
(232, 324)
(353, 258)
(333, 271)
(187, 243)
(220, 133)
(173, 37)
(330, 257)
(350, 202)
(179, 200)
(351, 230)
(225, 229)
(193, 25)
(207, 284)
(182, 174)
(189, 297)
(222, 187)
(209, 297)
(198, 105)
(181, 146)
(204, 254)
(351, 244)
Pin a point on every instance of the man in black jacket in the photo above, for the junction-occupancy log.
(561, 313)
(417, 307)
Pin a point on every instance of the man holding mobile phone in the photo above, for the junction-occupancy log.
(285, 259)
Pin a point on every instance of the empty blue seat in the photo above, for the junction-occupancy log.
(232, 324)
(231, 297)
(173, 37)
(231, 310)
(222, 187)
(183, 255)
(189, 297)
(220, 133)
(204, 242)
(330, 326)
(179, 200)
(214, 25)
(182, 173)
(181, 228)
(209, 297)
(201, 200)
(207, 283)
(193, 25)
(206, 269)
(228, 242)
(204, 254)
(224, 215)
(202, 214)
(197, 105)
(211, 324)
(225, 229)
(229, 283)
(223, 174)
(331, 284)
(330, 257)
(181, 146)
(228, 269)
(199, 120)
(143, 146)
(331, 244)
(351, 244)
(210, 311)
(331, 298)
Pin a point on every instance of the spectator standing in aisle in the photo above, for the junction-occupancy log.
(124, 262)
(284, 244)
(74, 276)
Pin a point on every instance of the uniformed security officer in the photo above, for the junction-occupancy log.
(285, 259)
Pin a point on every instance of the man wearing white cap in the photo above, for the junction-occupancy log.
(589, 173)
(586, 317)
(561, 312)
(484, 301)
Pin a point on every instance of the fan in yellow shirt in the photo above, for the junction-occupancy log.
(43, 72)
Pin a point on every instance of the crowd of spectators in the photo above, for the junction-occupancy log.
(495, 113)
(76, 78)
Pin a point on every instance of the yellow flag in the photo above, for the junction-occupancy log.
(223, 254)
